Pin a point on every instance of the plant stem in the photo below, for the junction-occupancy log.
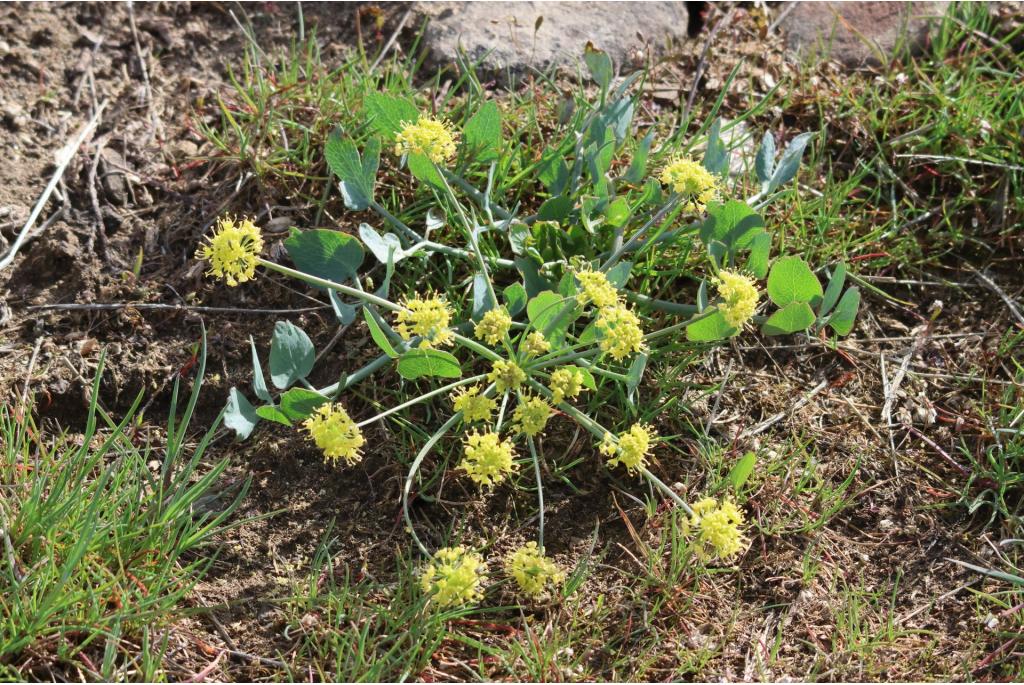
(396, 222)
(476, 347)
(324, 283)
(540, 494)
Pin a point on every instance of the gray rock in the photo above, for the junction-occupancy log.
(859, 33)
(520, 35)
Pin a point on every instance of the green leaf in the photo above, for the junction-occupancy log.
(734, 224)
(324, 253)
(515, 298)
(423, 169)
(417, 363)
(534, 282)
(791, 280)
(635, 373)
(555, 209)
(617, 213)
(588, 378)
(760, 250)
(789, 163)
(357, 174)
(545, 312)
(741, 471)
(259, 383)
(638, 165)
(600, 66)
(795, 316)
(832, 291)
(239, 415)
(387, 113)
(553, 172)
(843, 317)
(618, 275)
(298, 403)
(272, 413)
(291, 354)
(712, 327)
(378, 334)
(482, 133)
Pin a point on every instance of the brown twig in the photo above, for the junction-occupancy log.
(170, 307)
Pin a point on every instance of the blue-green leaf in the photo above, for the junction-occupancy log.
(789, 163)
(324, 253)
(515, 298)
(259, 383)
(383, 247)
(600, 66)
(239, 415)
(833, 290)
(357, 174)
(716, 156)
(764, 163)
(291, 354)
(482, 301)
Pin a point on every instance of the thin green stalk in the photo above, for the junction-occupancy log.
(476, 347)
(396, 222)
(471, 233)
(414, 469)
(433, 393)
(540, 493)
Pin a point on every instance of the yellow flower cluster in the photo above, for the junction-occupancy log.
(631, 449)
(454, 577)
(719, 528)
(565, 382)
(739, 297)
(621, 331)
(428, 318)
(596, 289)
(697, 185)
(488, 458)
(531, 415)
(533, 571)
(473, 405)
(506, 375)
(432, 138)
(233, 251)
(493, 326)
(334, 432)
(536, 344)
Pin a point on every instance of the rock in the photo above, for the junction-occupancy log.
(112, 166)
(549, 34)
(859, 33)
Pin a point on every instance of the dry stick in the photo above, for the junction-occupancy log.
(100, 233)
(172, 307)
(31, 368)
(391, 40)
(941, 452)
(702, 63)
(1002, 295)
(769, 422)
(65, 156)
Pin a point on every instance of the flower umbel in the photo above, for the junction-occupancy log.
(532, 570)
(565, 382)
(334, 432)
(719, 526)
(506, 375)
(488, 458)
(596, 289)
(233, 251)
(428, 318)
(454, 576)
(739, 297)
(432, 138)
(531, 415)
(493, 326)
(621, 332)
(473, 405)
(697, 185)
(633, 448)
(536, 344)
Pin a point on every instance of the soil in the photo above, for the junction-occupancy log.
(123, 225)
